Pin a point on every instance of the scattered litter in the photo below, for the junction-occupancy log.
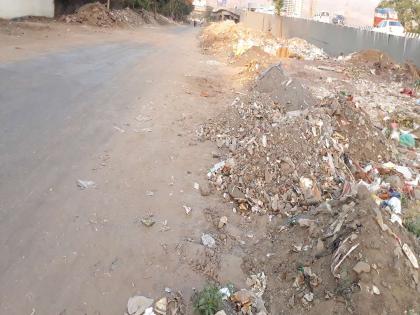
(225, 292)
(149, 311)
(213, 63)
(148, 221)
(187, 209)
(119, 129)
(216, 168)
(196, 186)
(143, 130)
(375, 290)
(222, 222)
(309, 297)
(208, 240)
(86, 184)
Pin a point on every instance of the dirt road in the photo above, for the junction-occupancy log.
(119, 108)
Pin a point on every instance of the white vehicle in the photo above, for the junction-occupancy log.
(322, 17)
(390, 27)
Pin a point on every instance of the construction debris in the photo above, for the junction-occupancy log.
(337, 170)
(237, 40)
(97, 14)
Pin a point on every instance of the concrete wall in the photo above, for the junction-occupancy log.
(17, 8)
(335, 39)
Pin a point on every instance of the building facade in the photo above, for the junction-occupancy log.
(293, 7)
(17, 8)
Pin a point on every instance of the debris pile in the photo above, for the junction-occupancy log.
(344, 255)
(236, 40)
(129, 17)
(379, 63)
(338, 186)
(281, 155)
(302, 49)
(96, 14)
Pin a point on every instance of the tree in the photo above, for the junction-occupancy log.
(408, 12)
(279, 5)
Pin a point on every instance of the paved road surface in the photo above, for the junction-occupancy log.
(70, 115)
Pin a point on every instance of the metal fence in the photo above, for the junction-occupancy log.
(336, 39)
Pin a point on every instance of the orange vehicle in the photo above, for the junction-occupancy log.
(382, 14)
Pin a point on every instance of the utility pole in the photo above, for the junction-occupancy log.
(108, 4)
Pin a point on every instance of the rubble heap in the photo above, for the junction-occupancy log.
(342, 256)
(236, 40)
(379, 63)
(96, 14)
(279, 159)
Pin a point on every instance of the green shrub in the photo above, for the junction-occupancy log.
(208, 301)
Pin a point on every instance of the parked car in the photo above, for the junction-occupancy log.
(338, 19)
(390, 27)
(322, 17)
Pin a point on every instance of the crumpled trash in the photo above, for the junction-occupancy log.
(400, 169)
(85, 184)
(216, 168)
(394, 203)
(149, 311)
(148, 221)
(208, 240)
(222, 222)
(225, 292)
(407, 140)
(396, 218)
(408, 91)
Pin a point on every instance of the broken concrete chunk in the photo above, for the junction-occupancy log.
(310, 190)
(222, 222)
(208, 240)
(236, 193)
(305, 222)
(205, 189)
(160, 306)
(136, 305)
(361, 267)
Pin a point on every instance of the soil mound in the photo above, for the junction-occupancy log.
(284, 90)
(95, 14)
